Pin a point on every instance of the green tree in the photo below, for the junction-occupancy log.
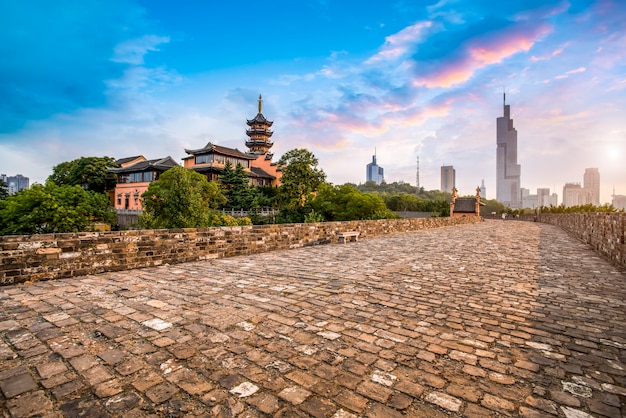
(491, 206)
(345, 203)
(52, 209)
(236, 185)
(91, 173)
(300, 178)
(4, 190)
(181, 198)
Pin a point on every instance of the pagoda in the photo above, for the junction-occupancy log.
(259, 133)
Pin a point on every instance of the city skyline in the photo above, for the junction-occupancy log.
(152, 78)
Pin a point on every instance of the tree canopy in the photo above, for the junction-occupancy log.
(52, 209)
(345, 203)
(180, 198)
(4, 190)
(235, 183)
(300, 178)
(91, 173)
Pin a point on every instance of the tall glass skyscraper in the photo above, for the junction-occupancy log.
(508, 171)
(374, 172)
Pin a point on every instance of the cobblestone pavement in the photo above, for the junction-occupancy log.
(491, 319)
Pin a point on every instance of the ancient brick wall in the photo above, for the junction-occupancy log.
(41, 257)
(603, 231)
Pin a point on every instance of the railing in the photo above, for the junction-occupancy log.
(240, 213)
(129, 212)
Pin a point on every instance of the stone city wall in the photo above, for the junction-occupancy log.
(40, 257)
(603, 231)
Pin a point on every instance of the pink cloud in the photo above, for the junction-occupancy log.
(401, 43)
(481, 53)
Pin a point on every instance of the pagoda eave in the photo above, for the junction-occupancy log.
(259, 143)
(259, 133)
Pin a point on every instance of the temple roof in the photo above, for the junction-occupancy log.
(259, 118)
(254, 172)
(260, 173)
(127, 160)
(161, 164)
(212, 148)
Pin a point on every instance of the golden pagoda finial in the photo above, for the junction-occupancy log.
(260, 104)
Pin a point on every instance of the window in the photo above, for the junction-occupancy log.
(136, 177)
(203, 159)
(119, 198)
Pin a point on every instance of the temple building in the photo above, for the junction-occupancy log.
(134, 175)
(257, 161)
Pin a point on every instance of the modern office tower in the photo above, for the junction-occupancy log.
(524, 192)
(16, 183)
(508, 172)
(591, 184)
(543, 197)
(573, 195)
(374, 172)
(619, 200)
(448, 178)
(553, 200)
(483, 190)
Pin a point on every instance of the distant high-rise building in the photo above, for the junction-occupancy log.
(374, 172)
(543, 196)
(619, 200)
(553, 200)
(508, 172)
(15, 183)
(483, 190)
(589, 193)
(573, 195)
(591, 184)
(448, 178)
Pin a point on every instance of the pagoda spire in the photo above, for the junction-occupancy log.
(259, 132)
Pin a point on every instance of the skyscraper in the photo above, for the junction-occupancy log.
(374, 172)
(508, 172)
(15, 183)
(448, 178)
(591, 184)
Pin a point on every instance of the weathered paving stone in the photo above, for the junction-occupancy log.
(18, 383)
(445, 401)
(30, 405)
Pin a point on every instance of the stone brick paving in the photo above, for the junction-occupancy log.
(491, 319)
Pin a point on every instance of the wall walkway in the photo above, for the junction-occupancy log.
(605, 232)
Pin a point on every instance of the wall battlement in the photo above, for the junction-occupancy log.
(25, 258)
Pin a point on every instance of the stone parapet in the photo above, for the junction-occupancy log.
(605, 232)
(25, 258)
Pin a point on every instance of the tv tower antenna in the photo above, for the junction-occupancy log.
(417, 176)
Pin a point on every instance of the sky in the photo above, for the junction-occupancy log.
(342, 78)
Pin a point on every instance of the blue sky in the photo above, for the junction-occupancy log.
(341, 78)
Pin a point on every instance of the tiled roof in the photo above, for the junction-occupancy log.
(259, 118)
(465, 205)
(209, 148)
(162, 164)
(260, 173)
(127, 159)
